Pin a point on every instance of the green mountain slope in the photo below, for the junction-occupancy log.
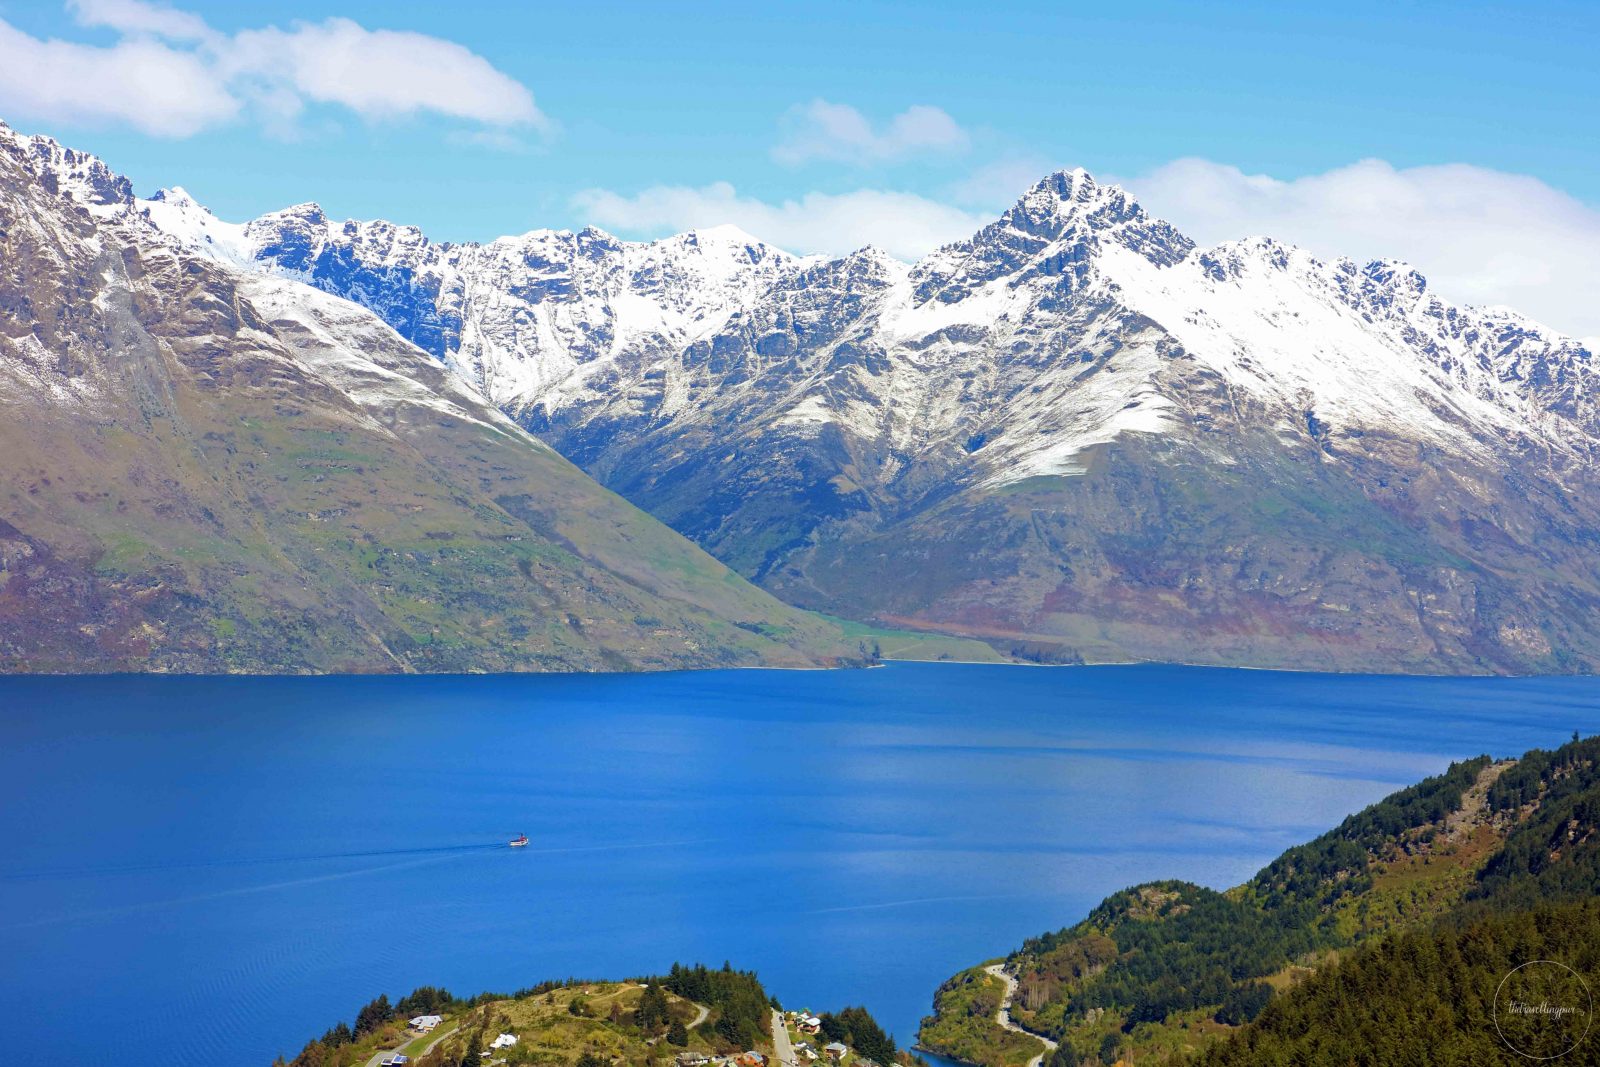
(207, 470)
(1488, 851)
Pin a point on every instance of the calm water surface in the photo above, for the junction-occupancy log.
(211, 871)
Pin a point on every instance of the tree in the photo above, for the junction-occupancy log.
(1063, 1056)
(856, 1027)
(373, 1015)
(653, 1012)
(339, 1035)
(677, 1034)
(1243, 1003)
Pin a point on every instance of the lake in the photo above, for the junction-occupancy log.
(214, 870)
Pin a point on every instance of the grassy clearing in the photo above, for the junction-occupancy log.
(914, 645)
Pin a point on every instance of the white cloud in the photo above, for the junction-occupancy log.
(136, 16)
(1480, 236)
(838, 132)
(171, 75)
(903, 224)
(379, 73)
(139, 82)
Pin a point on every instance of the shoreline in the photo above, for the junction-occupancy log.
(885, 662)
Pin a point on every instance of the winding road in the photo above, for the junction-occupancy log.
(1003, 1016)
(782, 1047)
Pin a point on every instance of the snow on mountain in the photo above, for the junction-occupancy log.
(561, 326)
(215, 467)
(520, 317)
(1075, 433)
(553, 319)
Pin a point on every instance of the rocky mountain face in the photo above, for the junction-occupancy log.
(210, 469)
(1075, 435)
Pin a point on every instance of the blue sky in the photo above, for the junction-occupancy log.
(647, 117)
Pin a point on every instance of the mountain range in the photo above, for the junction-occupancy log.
(1076, 435)
(209, 469)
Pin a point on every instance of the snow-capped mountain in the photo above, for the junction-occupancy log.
(210, 468)
(1075, 434)
(519, 317)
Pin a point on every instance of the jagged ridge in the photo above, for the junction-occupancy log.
(1075, 434)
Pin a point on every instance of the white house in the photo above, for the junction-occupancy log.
(836, 1051)
(504, 1041)
(424, 1023)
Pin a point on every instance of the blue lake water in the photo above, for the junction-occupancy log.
(211, 871)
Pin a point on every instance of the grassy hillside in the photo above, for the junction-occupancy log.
(1165, 971)
(644, 1022)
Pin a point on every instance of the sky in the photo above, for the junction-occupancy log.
(1462, 137)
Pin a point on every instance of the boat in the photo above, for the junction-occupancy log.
(520, 841)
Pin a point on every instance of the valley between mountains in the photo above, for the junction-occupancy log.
(1076, 436)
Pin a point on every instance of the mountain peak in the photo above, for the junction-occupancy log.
(1065, 190)
(1071, 209)
(69, 172)
(1068, 198)
(310, 212)
(723, 234)
(177, 196)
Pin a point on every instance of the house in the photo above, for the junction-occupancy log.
(752, 1059)
(836, 1051)
(804, 1048)
(394, 1060)
(692, 1059)
(424, 1023)
(503, 1041)
(810, 1024)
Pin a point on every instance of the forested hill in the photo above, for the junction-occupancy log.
(1434, 893)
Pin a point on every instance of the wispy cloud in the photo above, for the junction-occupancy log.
(821, 130)
(903, 224)
(136, 16)
(169, 74)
